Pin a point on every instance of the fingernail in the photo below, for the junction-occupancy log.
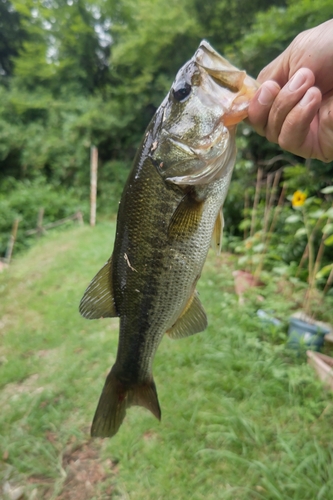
(297, 81)
(265, 97)
(306, 99)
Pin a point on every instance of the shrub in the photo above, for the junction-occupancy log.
(23, 199)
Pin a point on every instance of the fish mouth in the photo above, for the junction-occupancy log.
(206, 143)
(198, 157)
(234, 87)
(223, 72)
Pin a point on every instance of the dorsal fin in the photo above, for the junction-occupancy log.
(98, 301)
(192, 320)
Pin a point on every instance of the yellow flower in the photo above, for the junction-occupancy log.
(298, 199)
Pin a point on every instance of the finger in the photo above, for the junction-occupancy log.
(299, 131)
(277, 70)
(286, 100)
(260, 106)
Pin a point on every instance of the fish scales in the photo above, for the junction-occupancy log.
(169, 212)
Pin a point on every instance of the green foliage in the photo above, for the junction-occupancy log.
(62, 46)
(287, 228)
(111, 182)
(92, 72)
(274, 29)
(225, 23)
(12, 36)
(22, 200)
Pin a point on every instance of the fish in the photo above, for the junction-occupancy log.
(169, 213)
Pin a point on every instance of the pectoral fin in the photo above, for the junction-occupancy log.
(193, 320)
(186, 218)
(97, 301)
(218, 233)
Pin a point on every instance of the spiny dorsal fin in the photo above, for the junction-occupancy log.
(193, 320)
(186, 218)
(218, 233)
(97, 301)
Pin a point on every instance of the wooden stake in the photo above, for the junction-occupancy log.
(78, 216)
(40, 229)
(256, 201)
(11, 243)
(93, 183)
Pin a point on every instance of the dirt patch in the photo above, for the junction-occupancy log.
(28, 385)
(84, 473)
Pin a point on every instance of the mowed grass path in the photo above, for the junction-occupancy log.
(242, 418)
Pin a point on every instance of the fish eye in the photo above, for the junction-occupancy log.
(182, 92)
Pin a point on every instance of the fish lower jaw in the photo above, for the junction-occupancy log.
(210, 141)
(206, 143)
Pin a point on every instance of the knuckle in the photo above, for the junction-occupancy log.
(287, 139)
(271, 132)
(284, 139)
(271, 136)
(326, 117)
(284, 142)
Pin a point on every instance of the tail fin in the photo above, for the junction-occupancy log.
(116, 397)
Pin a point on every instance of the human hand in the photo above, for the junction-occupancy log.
(294, 105)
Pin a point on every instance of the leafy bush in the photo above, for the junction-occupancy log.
(22, 200)
(111, 179)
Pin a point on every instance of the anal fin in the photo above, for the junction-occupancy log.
(192, 320)
(97, 301)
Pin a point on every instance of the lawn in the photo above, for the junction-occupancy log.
(242, 417)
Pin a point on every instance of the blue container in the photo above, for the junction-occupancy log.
(305, 335)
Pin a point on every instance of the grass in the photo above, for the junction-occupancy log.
(242, 418)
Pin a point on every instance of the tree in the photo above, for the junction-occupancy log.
(224, 23)
(63, 45)
(85, 72)
(274, 29)
(12, 36)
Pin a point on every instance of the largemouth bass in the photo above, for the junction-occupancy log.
(169, 212)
